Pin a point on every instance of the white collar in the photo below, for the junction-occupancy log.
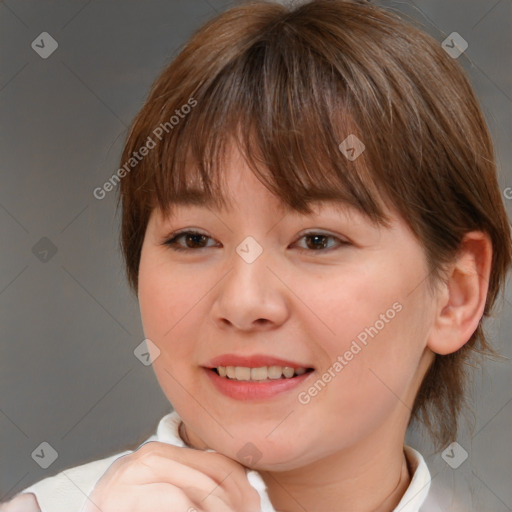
(412, 500)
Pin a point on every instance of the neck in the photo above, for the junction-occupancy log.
(370, 480)
(370, 477)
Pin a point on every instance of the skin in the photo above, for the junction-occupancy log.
(307, 307)
(344, 449)
(21, 503)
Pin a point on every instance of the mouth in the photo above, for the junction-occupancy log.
(255, 377)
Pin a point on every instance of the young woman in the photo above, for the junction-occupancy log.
(313, 227)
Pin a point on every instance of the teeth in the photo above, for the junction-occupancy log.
(288, 372)
(259, 374)
(242, 373)
(274, 372)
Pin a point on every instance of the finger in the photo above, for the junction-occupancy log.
(183, 467)
(162, 498)
(169, 498)
(214, 465)
(196, 458)
(210, 502)
(157, 468)
(203, 490)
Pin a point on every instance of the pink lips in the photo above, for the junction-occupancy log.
(253, 390)
(254, 361)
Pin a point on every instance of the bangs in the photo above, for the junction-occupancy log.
(287, 111)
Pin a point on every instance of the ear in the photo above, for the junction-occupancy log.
(461, 297)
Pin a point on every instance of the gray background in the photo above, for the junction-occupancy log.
(68, 375)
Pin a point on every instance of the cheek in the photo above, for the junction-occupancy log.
(168, 305)
(165, 295)
(167, 302)
(378, 334)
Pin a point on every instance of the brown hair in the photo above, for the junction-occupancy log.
(288, 84)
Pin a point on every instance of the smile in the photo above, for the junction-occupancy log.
(260, 374)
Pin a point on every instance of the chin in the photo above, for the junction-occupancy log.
(261, 455)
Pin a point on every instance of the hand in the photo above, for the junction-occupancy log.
(159, 477)
(25, 502)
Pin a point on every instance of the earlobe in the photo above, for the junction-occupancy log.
(461, 299)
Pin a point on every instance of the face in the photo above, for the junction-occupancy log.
(342, 302)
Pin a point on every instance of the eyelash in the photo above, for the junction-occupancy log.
(172, 241)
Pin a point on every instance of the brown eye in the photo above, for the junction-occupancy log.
(319, 242)
(193, 240)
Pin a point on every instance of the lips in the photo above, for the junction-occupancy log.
(253, 361)
(255, 377)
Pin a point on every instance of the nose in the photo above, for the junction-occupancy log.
(251, 296)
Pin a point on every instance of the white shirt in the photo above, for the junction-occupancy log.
(67, 491)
